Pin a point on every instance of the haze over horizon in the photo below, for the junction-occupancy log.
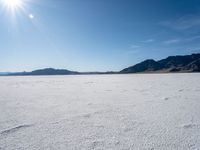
(95, 35)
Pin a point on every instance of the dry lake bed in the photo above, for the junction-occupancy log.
(101, 112)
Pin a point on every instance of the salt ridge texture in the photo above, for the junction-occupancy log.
(101, 112)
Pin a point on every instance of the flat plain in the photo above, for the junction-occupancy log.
(102, 112)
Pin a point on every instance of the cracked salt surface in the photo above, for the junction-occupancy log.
(149, 111)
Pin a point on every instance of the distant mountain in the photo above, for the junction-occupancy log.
(187, 63)
(52, 71)
(147, 65)
(47, 71)
(4, 73)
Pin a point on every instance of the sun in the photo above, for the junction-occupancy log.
(16, 8)
(12, 4)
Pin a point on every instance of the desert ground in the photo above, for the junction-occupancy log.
(101, 112)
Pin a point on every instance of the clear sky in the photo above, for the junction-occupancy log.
(95, 35)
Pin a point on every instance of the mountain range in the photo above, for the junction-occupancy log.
(187, 63)
(46, 71)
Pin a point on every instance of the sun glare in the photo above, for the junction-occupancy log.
(12, 4)
(16, 8)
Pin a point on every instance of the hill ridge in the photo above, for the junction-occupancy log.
(178, 63)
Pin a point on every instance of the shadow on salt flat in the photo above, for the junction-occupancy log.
(88, 82)
(166, 98)
(108, 90)
(94, 144)
(88, 115)
(181, 90)
(190, 126)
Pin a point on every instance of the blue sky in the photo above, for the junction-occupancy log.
(96, 35)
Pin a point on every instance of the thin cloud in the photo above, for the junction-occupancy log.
(134, 46)
(181, 40)
(133, 51)
(183, 23)
(172, 41)
(149, 41)
(193, 38)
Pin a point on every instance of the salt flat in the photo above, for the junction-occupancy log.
(109, 112)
